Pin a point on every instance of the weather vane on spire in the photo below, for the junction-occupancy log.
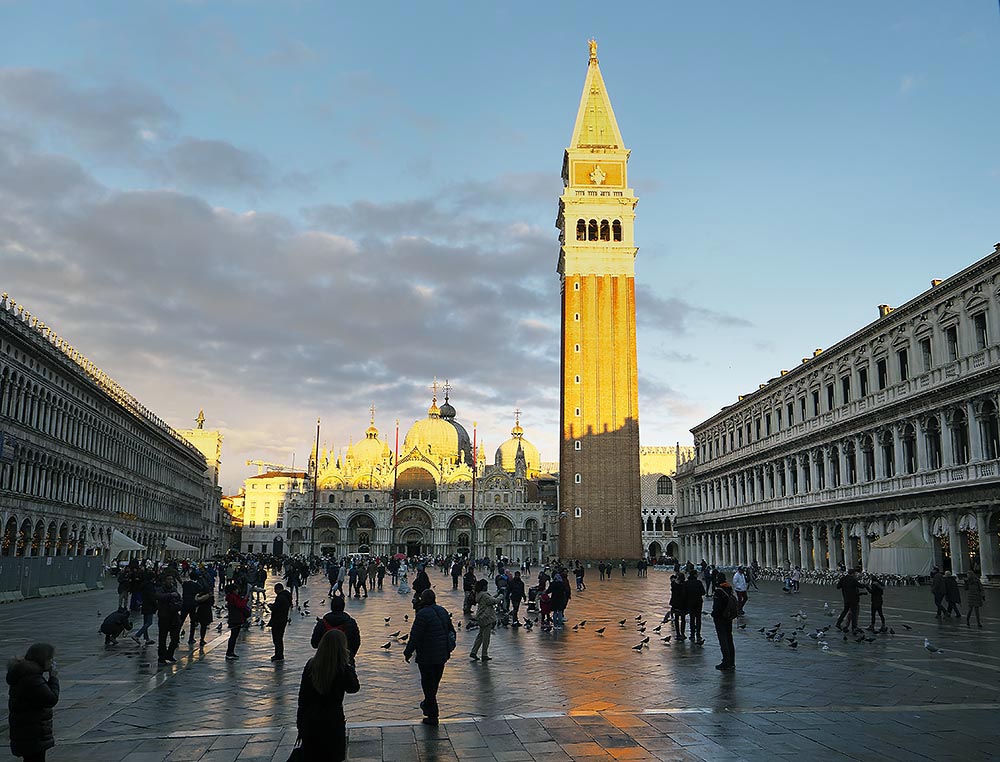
(372, 411)
(200, 420)
(593, 48)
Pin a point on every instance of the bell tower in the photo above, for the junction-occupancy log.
(599, 493)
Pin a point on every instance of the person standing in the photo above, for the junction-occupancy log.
(31, 698)
(320, 720)
(168, 622)
(515, 588)
(338, 619)
(420, 583)
(724, 611)
(469, 588)
(432, 637)
(937, 590)
(486, 617)
(558, 600)
(952, 594)
(394, 570)
(147, 594)
(279, 620)
(678, 605)
(456, 572)
(237, 613)
(740, 588)
(877, 592)
(293, 578)
(694, 597)
(975, 596)
(850, 589)
(624, 567)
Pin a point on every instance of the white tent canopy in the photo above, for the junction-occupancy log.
(172, 544)
(904, 551)
(121, 541)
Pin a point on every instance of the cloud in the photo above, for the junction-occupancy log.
(907, 83)
(213, 164)
(113, 120)
(674, 315)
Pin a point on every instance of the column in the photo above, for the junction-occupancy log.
(920, 432)
(897, 447)
(832, 546)
(787, 463)
(805, 558)
(865, 547)
(987, 543)
(814, 457)
(800, 474)
(879, 457)
(975, 434)
(842, 463)
(947, 445)
(789, 550)
(955, 546)
(849, 561)
(819, 549)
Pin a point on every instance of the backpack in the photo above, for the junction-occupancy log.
(732, 610)
(452, 636)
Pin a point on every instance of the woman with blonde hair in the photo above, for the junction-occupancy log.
(320, 719)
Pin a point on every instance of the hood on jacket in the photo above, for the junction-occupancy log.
(18, 669)
(336, 618)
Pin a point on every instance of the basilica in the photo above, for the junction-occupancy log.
(438, 496)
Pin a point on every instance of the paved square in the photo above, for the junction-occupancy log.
(545, 696)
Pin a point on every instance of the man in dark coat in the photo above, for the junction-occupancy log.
(432, 637)
(952, 594)
(469, 588)
(723, 603)
(851, 590)
(338, 619)
(32, 697)
(168, 621)
(279, 620)
(115, 624)
(694, 596)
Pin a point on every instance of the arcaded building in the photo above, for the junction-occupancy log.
(81, 458)
(894, 424)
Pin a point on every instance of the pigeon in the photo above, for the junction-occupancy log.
(933, 649)
(906, 626)
(666, 640)
(645, 639)
(599, 632)
(657, 628)
(870, 640)
(583, 623)
(826, 648)
(406, 617)
(576, 627)
(219, 628)
(387, 620)
(761, 630)
(892, 631)
(622, 622)
(793, 643)
(642, 624)
(396, 633)
(741, 625)
(305, 605)
(638, 648)
(98, 612)
(404, 638)
(387, 646)
(639, 618)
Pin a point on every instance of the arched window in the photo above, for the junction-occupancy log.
(331, 499)
(664, 486)
(989, 428)
(461, 499)
(960, 437)
(659, 524)
(605, 231)
(649, 525)
(932, 429)
(581, 230)
(909, 441)
(616, 230)
(592, 230)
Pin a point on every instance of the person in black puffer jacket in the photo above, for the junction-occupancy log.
(147, 592)
(338, 619)
(168, 621)
(431, 637)
(32, 697)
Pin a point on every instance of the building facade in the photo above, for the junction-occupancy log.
(895, 423)
(658, 470)
(216, 520)
(599, 444)
(431, 500)
(82, 458)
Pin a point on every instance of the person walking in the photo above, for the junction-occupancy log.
(486, 617)
(558, 600)
(975, 597)
(694, 597)
(168, 622)
(624, 566)
(725, 609)
(952, 594)
(237, 613)
(850, 590)
(320, 719)
(740, 588)
(147, 606)
(279, 620)
(678, 605)
(456, 572)
(937, 590)
(338, 619)
(877, 592)
(293, 578)
(32, 696)
(420, 583)
(432, 638)
(469, 588)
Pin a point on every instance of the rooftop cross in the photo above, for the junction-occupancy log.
(447, 389)
(372, 411)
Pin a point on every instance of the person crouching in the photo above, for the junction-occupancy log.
(114, 625)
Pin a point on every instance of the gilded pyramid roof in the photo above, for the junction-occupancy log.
(596, 126)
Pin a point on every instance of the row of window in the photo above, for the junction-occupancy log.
(842, 391)
(598, 231)
(905, 449)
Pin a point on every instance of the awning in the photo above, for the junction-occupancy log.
(172, 544)
(121, 541)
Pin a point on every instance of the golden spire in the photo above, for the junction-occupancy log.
(593, 48)
(596, 126)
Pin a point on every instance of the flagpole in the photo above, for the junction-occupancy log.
(474, 463)
(312, 528)
(395, 491)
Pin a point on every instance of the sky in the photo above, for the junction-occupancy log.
(284, 211)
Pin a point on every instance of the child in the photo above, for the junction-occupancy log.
(876, 590)
(545, 609)
(32, 697)
(114, 625)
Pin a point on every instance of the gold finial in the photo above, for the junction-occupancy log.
(517, 431)
(200, 420)
(372, 411)
(593, 48)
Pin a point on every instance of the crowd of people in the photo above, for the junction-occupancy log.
(179, 594)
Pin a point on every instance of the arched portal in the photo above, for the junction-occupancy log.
(655, 551)
(498, 532)
(672, 550)
(9, 537)
(460, 533)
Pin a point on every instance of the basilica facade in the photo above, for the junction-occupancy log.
(439, 496)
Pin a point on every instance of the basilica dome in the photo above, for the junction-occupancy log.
(507, 452)
(438, 437)
(369, 450)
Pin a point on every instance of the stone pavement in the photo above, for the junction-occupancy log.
(545, 696)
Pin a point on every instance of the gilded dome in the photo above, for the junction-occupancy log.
(435, 436)
(507, 452)
(369, 450)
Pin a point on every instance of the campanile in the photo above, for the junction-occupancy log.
(599, 496)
